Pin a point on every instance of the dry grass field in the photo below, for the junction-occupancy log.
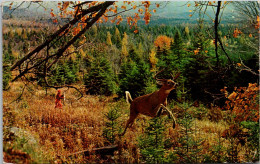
(34, 131)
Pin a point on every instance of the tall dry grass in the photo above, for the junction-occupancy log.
(76, 127)
(79, 126)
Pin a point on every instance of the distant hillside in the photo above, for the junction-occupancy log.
(170, 13)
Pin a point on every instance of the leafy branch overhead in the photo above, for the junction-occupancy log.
(84, 15)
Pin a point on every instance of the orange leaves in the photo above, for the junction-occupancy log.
(119, 19)
(76, 30)
(52, 14)
(232, 96)
(146, 4)
(196, 51)
(129, 20)
(188, 5)
(10, 6)
(135, 31)
(250, 35)
(157, 5)
(55, 21)
(140, 11)
(65, 5)
(236, 33)
(114, 10)
(243, 102)
(113, 20)
(147, 16)
(123, 7)
(163, 42)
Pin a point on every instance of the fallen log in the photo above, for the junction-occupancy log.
(106, 150)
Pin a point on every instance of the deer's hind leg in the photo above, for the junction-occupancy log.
(130, 121)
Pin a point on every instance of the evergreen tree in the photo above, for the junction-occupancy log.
(152, 142)
(109, 42)
(134, 78)
(64, 73)
(140, 50)
(177, 47)
(189, 151)
(111, 125)
(6, 77)
(100, 80)
(117, 37)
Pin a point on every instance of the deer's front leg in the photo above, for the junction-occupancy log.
(161, 109)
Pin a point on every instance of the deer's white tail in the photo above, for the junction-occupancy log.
(128, 97)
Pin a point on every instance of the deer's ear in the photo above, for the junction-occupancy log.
(160, 82)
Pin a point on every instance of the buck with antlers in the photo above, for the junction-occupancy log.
(153, 104)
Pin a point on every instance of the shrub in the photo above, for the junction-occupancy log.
(189, 150)
(243, 103)
(6, 77)
(215, 114)
(111, 129)
(152, 142)
(253, 139)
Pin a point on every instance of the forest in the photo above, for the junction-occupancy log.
(93, 57)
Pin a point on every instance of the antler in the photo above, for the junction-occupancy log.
(176, 76)
(157, 74)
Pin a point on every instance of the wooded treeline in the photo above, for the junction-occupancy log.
(113, 59)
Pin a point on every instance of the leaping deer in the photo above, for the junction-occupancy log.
(153, 104)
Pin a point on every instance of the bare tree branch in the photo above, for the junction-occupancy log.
(216, 32)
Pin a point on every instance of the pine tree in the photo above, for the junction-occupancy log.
(111, 124)
(189, 151)
(100, 80)
(117, 37)
(152, 142)
(140, 50)
(109, 42)
(178, 44)
(134, 78)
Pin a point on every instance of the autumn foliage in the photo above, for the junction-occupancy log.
(163, 42)
(236, 33)
(243, 102)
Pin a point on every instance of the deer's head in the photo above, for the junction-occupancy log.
(167, 84)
